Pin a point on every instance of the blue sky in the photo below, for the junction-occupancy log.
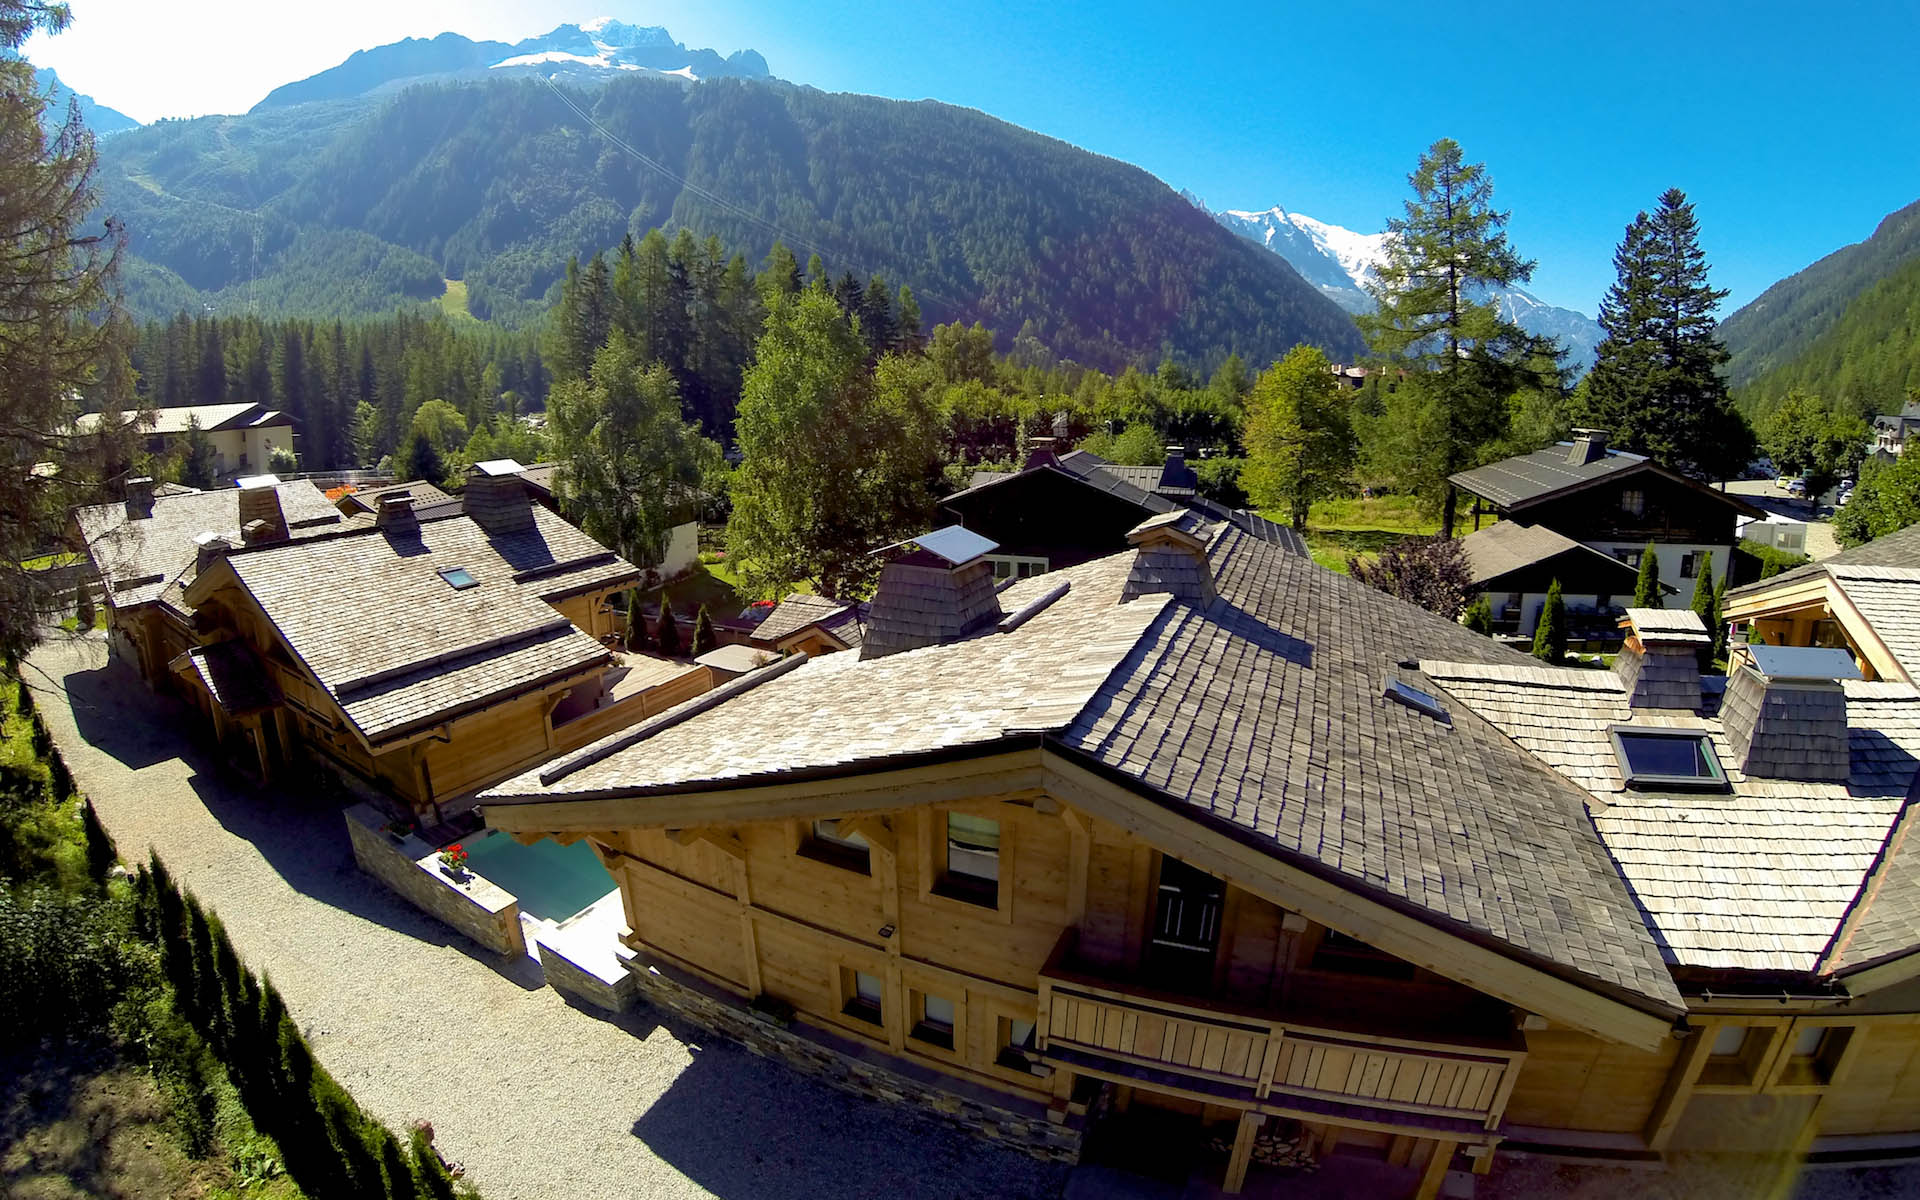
(1792, 127)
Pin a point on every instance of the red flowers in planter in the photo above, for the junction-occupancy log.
(454, 858)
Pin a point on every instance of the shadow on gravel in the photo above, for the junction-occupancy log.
(115, 713)
(746, 1128)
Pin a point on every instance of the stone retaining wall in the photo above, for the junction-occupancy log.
(857, 1069)
(569, 978)
(408, 865)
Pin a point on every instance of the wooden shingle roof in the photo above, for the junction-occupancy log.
(1260, 713)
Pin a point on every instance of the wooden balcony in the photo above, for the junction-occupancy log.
(1259, 1058)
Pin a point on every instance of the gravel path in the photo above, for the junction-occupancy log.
(538, 1098)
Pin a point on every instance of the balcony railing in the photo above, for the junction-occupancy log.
(1229, 1050)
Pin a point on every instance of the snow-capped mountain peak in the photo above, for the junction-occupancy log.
(1342, 263)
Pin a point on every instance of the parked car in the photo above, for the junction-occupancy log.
(1797, 487)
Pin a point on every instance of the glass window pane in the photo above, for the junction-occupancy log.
(869, 988)
(829, 831)
(1807, 1043)
(1020, 1034)
(939, 1012)
(1728, 1042)
(1682, 757)
(973, 846)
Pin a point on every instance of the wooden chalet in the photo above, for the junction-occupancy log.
(145, 551)
(1614, 502)
(1865, 600)
(1205, 829)
(811, 624)
(419, 653)
(1063, 510)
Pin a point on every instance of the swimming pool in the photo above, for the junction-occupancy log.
(551, 881)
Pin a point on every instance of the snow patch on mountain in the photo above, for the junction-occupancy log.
(561, 56)
(1343, 263)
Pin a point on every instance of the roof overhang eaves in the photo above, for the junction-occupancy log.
(414, 730)
(1388, 922)
(901, 780)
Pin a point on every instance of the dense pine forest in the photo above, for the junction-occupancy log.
(350, 208)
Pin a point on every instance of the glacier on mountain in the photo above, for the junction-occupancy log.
(1342, 263)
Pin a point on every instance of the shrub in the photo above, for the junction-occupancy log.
(636, 623)
(1550, 636)
(704, 639)
(1430, 572)
(669, 636)
(1479, 615)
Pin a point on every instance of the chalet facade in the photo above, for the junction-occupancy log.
(1202, 828)
(1514, 566)
(1614, 502)
(1865, 600)
(1892, 431)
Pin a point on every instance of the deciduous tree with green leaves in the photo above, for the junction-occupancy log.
(628, 459)
(1461, 360)
(836, 460)
(1887, 499)
(1810, 437)
(1299, 437)
(1656, 385)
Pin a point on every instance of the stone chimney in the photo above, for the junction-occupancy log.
(139, 498)
(935, 588)
(497, 499)
(1170, 555)
(396, 513)
(1785, 713)
(1589, 445)
(209, 548)
(260, 506)
(1660, 662)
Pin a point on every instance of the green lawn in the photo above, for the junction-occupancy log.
(64, 558)
(1361, 527)
(726, 572)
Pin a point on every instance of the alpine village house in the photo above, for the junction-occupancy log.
(1200, 828)
(419, 651)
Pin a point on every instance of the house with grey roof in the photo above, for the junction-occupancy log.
(1891, 431)
(242, 436)
(147, 548)
(417, 654)
(1064, 509)
(1865, 600)
(1514, 565)
(1615, 502)
(813, 624)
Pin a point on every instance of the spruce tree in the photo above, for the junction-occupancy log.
(637, 640)
(1479, 615)
(669, 637)
(1646, 589)
(906, 322)
(1656, 385)
(704, 640)
(1550, 636)
(1462, 360)
(1719, 627)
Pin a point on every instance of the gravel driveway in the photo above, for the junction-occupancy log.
(536, 1097)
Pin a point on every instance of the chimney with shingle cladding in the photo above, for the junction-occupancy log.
(396, 512)
(1589, 445)
(140, 498)
(925, 598)
(1784, 727)
(1171, 556)
(1660, 662)
(497, 499)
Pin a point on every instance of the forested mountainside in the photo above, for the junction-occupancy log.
(1867, 358)
(350, 207)
(1779, 327)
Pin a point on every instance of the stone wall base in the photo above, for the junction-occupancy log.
(857, 1069)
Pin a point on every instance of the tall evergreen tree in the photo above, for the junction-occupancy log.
(704, 639)
(1550, 636)
(1646, 588)
(1656, 385)
(669, 638)
(61, 334)
(1462, 360)
(906, 321)
(1706, 606)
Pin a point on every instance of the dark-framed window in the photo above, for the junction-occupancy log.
(936, 1020)
(1667, 758)
(829, 843)
(1633, 502)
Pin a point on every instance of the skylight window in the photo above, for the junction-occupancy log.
(1667, 758)
(459, 579)
(1417, 700)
